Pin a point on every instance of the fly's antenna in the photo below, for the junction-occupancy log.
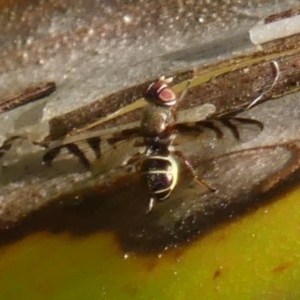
(185, 90)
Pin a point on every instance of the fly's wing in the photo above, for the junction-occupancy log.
(205, 116)
(196, 114)
(89, 145)
(24, 178)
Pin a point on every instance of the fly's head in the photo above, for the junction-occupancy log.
(159, 93)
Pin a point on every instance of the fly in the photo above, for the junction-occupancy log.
(157, 165)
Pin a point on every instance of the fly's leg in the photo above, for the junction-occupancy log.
(192, 171)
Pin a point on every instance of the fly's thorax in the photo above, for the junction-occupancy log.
(156, 119)
(160, 175)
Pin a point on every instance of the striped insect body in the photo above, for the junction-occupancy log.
(159, 169)
(160, 174)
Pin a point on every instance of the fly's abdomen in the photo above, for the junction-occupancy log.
(160, 173)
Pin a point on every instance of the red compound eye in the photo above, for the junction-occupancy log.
(167, 96)
(161, 94)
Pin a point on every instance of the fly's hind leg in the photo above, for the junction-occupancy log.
(193, 173)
